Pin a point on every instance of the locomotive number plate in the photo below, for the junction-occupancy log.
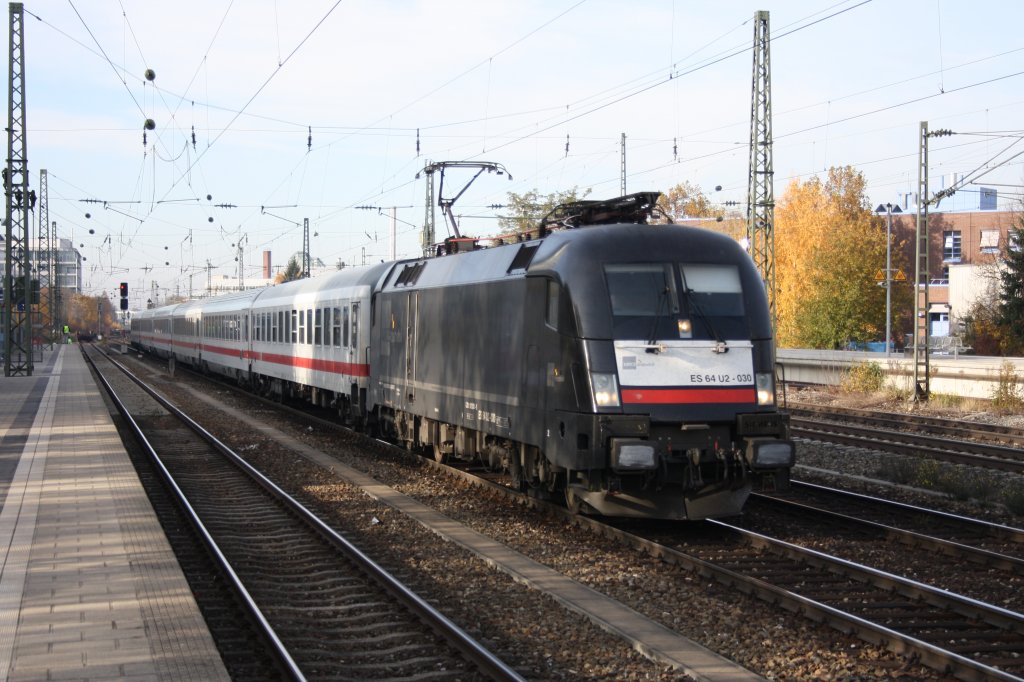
(684, 363)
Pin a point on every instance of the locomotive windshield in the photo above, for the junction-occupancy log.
(665, 301)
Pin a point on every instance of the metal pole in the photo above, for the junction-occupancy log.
(888, 278)
(622, 168)
(393, 249)
(921, 273)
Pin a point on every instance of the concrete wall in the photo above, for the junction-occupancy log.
(967, 375)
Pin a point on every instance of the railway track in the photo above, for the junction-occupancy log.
(965, 556)
(901, 434)
(962, 537)
(946, 632)
(327, 610)
(993, 433)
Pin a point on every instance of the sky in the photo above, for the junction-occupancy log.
(267, 113)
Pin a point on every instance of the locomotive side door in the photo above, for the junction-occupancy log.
(537, 339)
(412, 314)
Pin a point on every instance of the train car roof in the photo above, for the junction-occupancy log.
(227, 302)
(563, 250)
(362, 276)
(482, 265)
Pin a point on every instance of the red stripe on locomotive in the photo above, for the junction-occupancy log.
(666, 396)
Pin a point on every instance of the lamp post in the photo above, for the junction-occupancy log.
(888, 209)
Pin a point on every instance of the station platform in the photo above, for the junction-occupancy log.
(89, 587)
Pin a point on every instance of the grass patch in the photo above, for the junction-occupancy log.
(1013, 498)
(947, 400)
(957, 482)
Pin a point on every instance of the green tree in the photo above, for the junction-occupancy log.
(525, 211)
(828, 248)
(687, 200)
(1011, 299)
(292, 271)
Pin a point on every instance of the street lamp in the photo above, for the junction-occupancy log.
(888, 209)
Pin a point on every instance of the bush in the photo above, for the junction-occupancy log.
(958, 482)
(1008, 395)
(898, 469)
(863, 377)
(964, 484)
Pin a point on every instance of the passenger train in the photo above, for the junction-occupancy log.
(623, 365)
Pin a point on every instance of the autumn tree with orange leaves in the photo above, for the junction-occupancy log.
(829, 247)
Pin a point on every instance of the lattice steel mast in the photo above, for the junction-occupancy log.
(922, 274)
(45, 265)
(429, 222)
(760, 197)
(306, 262)
(622, 168)
(18, 272)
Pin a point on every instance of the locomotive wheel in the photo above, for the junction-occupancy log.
(515, 471)
(439, 457)
(572, 502)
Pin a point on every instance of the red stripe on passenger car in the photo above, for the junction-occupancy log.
(347, 368)
(667, 396)
(352, 369)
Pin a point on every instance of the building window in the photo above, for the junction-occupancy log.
(951, 246)
(989, 241)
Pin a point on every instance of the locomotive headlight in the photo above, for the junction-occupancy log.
(766, 453)
(606, 389)
(685, 329)
(632, 454)
(764, 382)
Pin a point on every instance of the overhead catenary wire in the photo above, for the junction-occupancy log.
(492, 116)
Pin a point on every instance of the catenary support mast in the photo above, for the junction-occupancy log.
(760, 197)
(18, 273)
(921, 388)
(45, 265)
(429, 219)
(306, 262)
